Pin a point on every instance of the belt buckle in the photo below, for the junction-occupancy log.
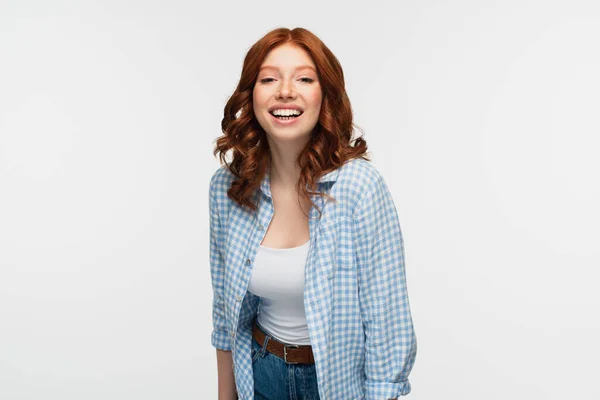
(285, 352)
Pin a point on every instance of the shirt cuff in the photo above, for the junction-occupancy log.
(220, 340)
(386, 390)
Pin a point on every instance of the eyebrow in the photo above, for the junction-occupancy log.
(298, 67)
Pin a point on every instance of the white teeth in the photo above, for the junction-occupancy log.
(286, 112)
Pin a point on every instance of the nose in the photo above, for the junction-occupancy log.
(286, 89)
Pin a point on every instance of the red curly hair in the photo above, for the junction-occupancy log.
(329, 146)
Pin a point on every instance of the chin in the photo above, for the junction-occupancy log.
(289, 134)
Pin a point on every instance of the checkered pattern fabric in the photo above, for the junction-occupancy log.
(355, 294)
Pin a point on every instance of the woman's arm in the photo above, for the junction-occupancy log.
(390, 342)
(227, 390)
(220, 338)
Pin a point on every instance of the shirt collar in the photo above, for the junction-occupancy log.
(265, 185)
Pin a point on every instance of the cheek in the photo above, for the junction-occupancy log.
(258, 105)
(316, 101)
(258, 98)
(315, 98)
(255, 98)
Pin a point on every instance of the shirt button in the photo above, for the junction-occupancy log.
(248, 262)
(238, 298)
(260, 227)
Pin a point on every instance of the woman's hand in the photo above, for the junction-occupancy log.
(226, 380)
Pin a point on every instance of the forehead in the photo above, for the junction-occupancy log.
(287, 56)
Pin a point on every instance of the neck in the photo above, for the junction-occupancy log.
(284, 170)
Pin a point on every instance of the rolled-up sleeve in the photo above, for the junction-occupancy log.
(219, 337)
(390, 341)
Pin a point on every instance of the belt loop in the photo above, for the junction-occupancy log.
(264, 347)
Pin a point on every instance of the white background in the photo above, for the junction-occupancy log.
(481, 115)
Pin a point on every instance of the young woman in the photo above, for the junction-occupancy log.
(306, 253)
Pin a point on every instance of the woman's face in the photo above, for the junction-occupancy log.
(287, 81)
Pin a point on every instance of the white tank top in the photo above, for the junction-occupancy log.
(278, 278)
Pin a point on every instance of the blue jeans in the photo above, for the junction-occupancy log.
(274, 379)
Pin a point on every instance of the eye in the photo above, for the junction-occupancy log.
(308, 80)
(266, 80)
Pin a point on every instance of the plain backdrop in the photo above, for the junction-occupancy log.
(481, 115)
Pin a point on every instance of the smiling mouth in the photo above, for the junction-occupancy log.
(286, 118)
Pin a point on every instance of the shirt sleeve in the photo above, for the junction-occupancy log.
(390, 341)
(219, 338)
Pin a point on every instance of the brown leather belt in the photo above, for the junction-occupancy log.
(290, 353)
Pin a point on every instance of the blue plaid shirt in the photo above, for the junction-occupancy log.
(355, 295)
